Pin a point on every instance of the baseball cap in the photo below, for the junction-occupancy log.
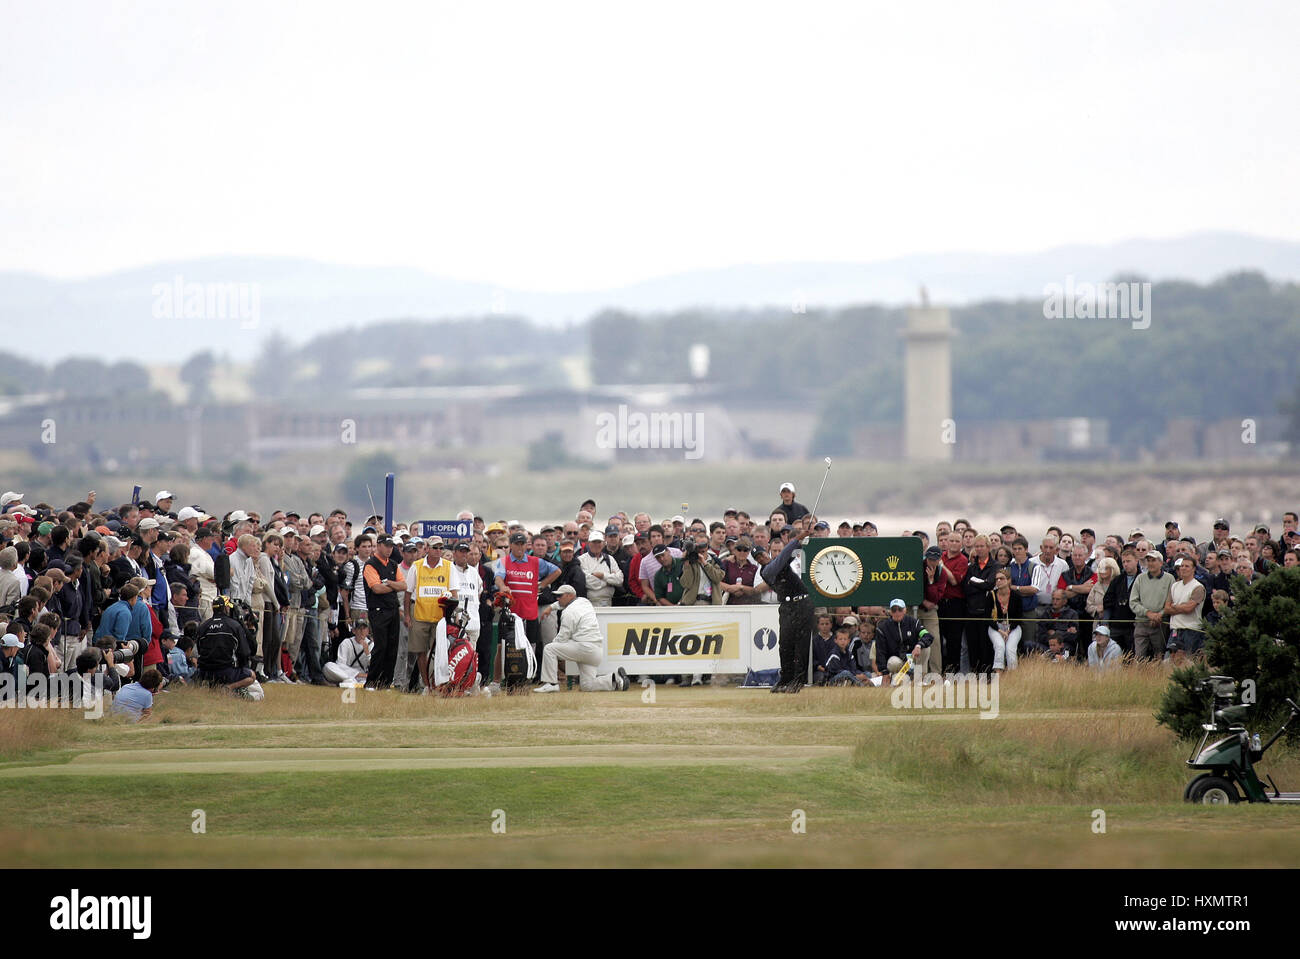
(629, 539)
(1136, 533)
(611, 530)
(495, 528)
(1101, 631)
(513, 523)
(360, 624)
(934, 552)
(149, 523)
(12, 642)
(679, 519)
(787, 528)
(164, 494)
(165, 537)
(659, 549)
(238, 516)
(787, 486)
(518, 538)
(565, 590)
(596, 537)
(11, 497)
(1221, 523)
(434, 542)
(461, 547)
(384, 540)
(897, 604)
(410, 546)
(316, 530)
(1179, 561)
(112, 542)
(45, 529)
(341, 547)
(189, 512)
(287, 531)
(1154, 555)
(567, 545)
(849, 620)
(845, 627)
(822, 524)
(730, 511)
(1171, 524)
(1224, 552)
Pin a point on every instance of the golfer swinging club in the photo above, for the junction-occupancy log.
(784, 575)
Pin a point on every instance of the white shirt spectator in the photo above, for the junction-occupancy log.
(243, 571)
(204, 570)
(579, 623)
(601, 591)
(469, 587)
(1044, 577)
(1180, 592)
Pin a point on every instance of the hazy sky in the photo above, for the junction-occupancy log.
(554, 146)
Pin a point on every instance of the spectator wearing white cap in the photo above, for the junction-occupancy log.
(793, 511)
(578, 640)
(603, 574)
(1103, 652)
(9, 500)
(163, 501)
(1147, 599)
(190, 518)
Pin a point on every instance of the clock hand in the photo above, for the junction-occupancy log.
(837, 577)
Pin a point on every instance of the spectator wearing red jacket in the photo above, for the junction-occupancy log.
(928, 614)
(952, 606)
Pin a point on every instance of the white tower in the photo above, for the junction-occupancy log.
(928, 430)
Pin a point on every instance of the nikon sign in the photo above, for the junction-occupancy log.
(691, 640)
(864, 570)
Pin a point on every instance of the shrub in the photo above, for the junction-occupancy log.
(1257, 639)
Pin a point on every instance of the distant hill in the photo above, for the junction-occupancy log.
(128, 314)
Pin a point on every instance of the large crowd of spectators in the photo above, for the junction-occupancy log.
(128, 592)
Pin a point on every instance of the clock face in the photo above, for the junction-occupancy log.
(836, 571)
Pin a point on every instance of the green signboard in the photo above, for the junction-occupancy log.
(864, 570)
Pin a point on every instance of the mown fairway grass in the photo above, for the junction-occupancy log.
(699, 777)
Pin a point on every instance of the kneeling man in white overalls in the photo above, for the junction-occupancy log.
(578, 640)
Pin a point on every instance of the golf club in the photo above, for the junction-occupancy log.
(817, 502)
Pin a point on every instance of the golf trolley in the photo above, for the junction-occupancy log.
(1231, 757)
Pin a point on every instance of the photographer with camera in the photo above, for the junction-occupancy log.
(117, 636)
(677, 583)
